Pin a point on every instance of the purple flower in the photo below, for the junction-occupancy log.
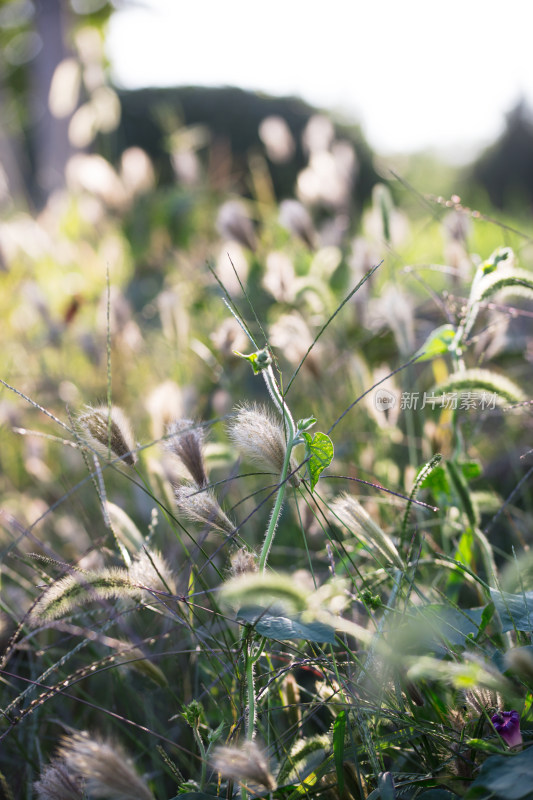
(507, 724)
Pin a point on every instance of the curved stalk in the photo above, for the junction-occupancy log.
(281, 405)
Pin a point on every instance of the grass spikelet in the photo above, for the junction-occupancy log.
(150, 569)
(351, 514)
(108, 433)
(243, 561)
(482, 380)
(186, 441)
(517, 282)
(56, 782)
(305, 756)
(200, 505)
(245, 763)
(71, 591)
(263, 590)
(260, 438)
(104, 768)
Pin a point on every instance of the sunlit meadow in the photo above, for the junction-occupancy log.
(266, 485)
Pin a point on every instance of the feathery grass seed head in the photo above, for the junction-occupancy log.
(351, 514)
(76, 589)
(150, 569)
(104, 767)
(266, 589)
(245, 763)
(108, 432)
(57, 783)
(200, 505)
(243, 561)
(186, 441)
(261, 439)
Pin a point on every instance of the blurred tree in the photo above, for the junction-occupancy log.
(505, 169)
(36, 37)
(233, 117)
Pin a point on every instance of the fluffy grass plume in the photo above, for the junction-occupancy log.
(351, 514)
(56, 782)
(247, 763)
(260, 438)
(200, 505)
(103, 767)
(76, 589)
(108, 432)
(186, 441)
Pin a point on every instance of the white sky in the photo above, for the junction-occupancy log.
(415, 73)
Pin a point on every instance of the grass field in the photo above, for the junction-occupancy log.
(305, 572)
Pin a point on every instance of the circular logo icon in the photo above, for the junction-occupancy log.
(384, 400)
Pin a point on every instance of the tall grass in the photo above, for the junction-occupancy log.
(266, 520)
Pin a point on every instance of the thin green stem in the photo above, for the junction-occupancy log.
(203, 754)
(274, 517)
(250, 689)
(282, 407)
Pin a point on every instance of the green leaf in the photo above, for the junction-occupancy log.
(507, 777)
(437, 481)
(423, 474)
(470, 469)
(437, 343)
(486, 618)
(515, 610)
(275, 624)
(386, 787)
(319, 450)
(339, 727)
(486, 747)
(259, 360)
(437, 623)
(459, 483)
(305, 424)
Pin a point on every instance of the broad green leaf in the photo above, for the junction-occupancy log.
(515, 610)
(339, 727)
(506, 777)
(319, 450)
(273, 623)
(437, 343)
(386, 787)
(436, 627)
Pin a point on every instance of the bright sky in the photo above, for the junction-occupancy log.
(415, 73)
